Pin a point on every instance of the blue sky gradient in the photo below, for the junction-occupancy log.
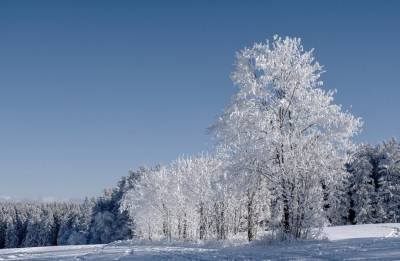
(89, 89)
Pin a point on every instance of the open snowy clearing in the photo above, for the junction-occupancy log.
(360, 242)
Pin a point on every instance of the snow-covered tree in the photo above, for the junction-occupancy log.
(197, 178)
(108, 222)
(11, 236)
(362, 189)
(144, 203)
(389, 179)
(282, 127)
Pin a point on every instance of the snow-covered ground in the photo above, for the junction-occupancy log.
(361, 242)
(388, 230)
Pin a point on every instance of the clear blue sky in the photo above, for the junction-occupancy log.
(90, 89)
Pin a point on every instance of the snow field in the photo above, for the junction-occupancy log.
(359, 242)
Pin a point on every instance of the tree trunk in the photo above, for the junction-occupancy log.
(220, 221)
(179, 227)
(286, 211)
(202, 222)
(250, 216)
(184, 227)
(223, 232)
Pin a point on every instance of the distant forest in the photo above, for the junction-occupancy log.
(95, 221)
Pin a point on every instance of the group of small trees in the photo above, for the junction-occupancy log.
(281, 150)
(186, 200)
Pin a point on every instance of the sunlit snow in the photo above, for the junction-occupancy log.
(361, 242)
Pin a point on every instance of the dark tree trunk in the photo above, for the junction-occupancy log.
(250, 216)
(179, 227)
(202, 222)
(223, 232)
(184, 227)
(286, 211)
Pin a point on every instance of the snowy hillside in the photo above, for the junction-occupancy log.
(375, 241)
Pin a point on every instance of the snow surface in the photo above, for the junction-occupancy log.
(359, 242)
(363, 231)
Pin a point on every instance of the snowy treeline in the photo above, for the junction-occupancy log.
(279, 162)
(30, 224)
(27, 224)
(195, 198)
(374, 184)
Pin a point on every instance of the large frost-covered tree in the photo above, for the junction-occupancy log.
(282, 127)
